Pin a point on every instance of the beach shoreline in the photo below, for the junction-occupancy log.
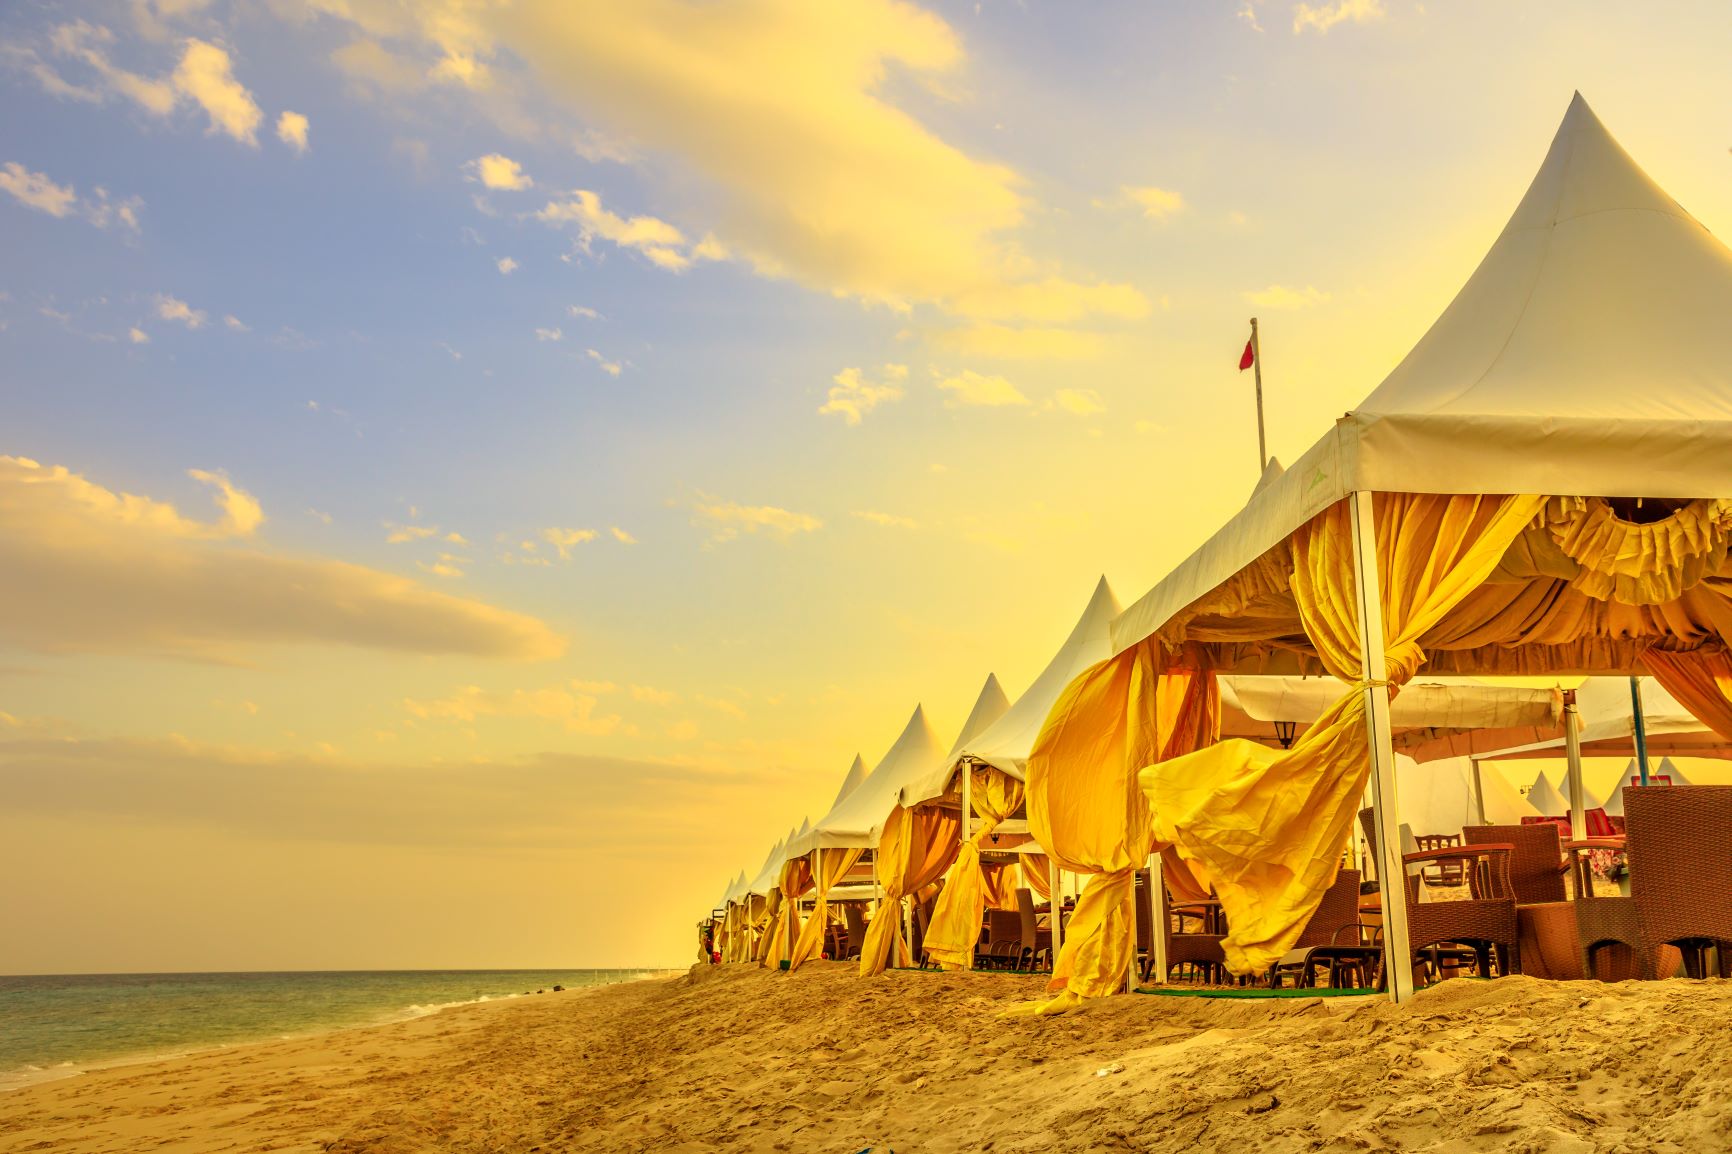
(738, 1058)
(20, 1077)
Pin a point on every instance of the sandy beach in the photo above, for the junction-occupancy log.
(743, 1059)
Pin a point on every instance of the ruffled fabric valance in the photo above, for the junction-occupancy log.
(1637, 563)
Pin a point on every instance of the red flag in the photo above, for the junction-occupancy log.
(1247, 358)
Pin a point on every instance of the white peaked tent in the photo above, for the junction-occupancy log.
(736, 890)
(1586, 362)
(989, 707)
(850, 783)
(1545, 799)
(765, 881)
(858, 819)
(1436, 797)
(1588, 354)
(1504, 805)
(1669, 768)
(1614, 806)
(1006, 743)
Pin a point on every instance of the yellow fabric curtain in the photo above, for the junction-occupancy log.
(766, 922)
(1266, 827)
(836, 864)
(955, 926)
(1037, 875)
(1084, 805)
(1702, 681)
(785, 926)
(915, 849)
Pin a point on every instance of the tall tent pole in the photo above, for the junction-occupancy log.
(1639, 724)
(1257, 368)
(967, 811)
(1157, 918)
(817, 899)
(1055, 903)
(1478, 790)
(1573, 751)
(1386, 814)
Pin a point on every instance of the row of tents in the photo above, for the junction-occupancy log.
(1536, 491)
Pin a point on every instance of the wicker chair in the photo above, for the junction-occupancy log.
(1484, 922)
(1536, 868)
(854, 914)
(1200, 951)
(1320, 943)
(1678, 842)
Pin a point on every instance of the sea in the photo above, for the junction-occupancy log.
(53, 1026)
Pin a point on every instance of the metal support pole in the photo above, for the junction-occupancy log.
(1639, 725)
(1157, 919)
(817, 890)
(1573, 751)
(1055, 888)
(1478, 790)
(1257, 368)
(1386, 814)
(907, 912)
(968, 812)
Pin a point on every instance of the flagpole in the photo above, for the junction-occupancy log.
(1257, 367)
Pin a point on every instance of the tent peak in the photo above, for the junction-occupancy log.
(989, 706)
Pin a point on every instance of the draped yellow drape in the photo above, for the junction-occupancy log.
(955, 926)
(836, 863)
(785, 925)
(1037, 875)
(1701, 681)
(1084, 807)
(1265, 827)
(915, 849)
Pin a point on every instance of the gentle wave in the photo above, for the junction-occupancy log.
(59, 1026)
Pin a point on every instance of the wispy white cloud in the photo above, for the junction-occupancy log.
(1082, 402)
(727, 520)
(622, 536)
(498, 173)
(292, 130)
(174, 309)
(888, 520)
(562, 705)
(39, 191)
(88, 569)
(650, 695)
(611, 368)
(970, 389)
(506, 265)
(549, 335)
(852, 395)
(1156, 203)
(661, 243)
(1320, 18)
(565, 540)
(206, 76)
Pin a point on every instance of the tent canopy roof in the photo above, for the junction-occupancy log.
(1588, 355)
(858, 819)
(1006, 743)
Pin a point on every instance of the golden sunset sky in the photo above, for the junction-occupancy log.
(477, 471)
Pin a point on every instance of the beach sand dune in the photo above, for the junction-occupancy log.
(748, 1060)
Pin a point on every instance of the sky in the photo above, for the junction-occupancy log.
(473, 473)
